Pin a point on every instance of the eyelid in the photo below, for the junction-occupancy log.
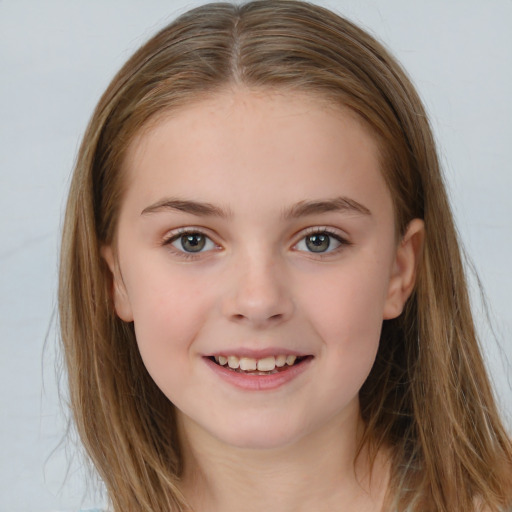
(313, 230)
(173, 234)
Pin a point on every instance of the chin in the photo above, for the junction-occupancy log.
(259, 435)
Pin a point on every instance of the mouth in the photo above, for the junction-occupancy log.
(269, 365)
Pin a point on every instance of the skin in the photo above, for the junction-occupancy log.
(256, 284)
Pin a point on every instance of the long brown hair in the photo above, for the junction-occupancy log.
(428, 396)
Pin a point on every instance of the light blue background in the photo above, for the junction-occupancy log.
(56, 58)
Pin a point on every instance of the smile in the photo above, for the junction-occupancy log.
(264, 366)
(259, 374)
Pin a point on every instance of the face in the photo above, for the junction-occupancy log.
(257, 228)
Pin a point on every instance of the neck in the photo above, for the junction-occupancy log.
(321, 472)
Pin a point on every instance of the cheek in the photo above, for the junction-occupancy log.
(345, 308)
(349, 297)
(169, 309)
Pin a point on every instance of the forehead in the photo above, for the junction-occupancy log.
(266, 144)
(224, 108)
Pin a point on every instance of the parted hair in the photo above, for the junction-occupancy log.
(427, 399)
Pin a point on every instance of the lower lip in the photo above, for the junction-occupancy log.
(251, 382)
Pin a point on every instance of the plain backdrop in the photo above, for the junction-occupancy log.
(56, 58)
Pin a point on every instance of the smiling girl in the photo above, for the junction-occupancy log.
(262, 300)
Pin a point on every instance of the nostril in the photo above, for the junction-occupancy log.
(270, 319)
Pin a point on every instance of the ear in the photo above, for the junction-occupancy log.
(405, 265)
(118, 289)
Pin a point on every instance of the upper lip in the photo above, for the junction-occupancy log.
(258, 353)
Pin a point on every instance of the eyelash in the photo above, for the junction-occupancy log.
(173, 237)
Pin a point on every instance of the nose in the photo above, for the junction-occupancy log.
(259, 294)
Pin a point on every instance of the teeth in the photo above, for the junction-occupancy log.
(233, 362)
(247, 363)
(266, 364)
(290, 360)
(280, 361)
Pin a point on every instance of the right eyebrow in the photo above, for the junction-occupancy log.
(187, 206)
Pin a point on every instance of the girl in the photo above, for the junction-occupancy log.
(262, 300)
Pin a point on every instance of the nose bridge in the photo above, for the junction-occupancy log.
(258, 292)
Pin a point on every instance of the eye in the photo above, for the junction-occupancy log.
(191, 242)
(321, 241)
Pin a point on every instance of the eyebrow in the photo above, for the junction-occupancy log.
(198, 208)
(337, 204)
(301, 209)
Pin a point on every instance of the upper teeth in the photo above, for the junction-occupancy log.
(266, 364)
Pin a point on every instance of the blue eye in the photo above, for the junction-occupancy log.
(320, 242)
(192, 242)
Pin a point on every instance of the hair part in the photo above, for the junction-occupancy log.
(428, 397)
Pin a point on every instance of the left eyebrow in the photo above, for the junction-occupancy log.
(337, 204)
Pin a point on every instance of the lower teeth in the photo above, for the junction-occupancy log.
(253, 372)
